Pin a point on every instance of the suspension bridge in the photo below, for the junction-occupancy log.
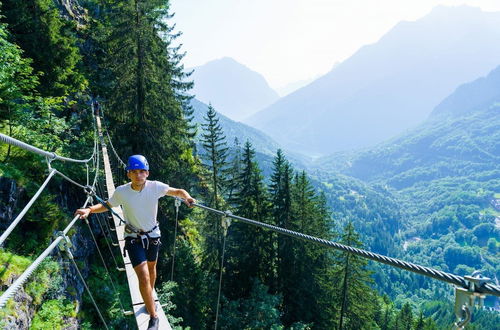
(468, 289)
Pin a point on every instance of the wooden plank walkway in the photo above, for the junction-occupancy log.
(142, 317)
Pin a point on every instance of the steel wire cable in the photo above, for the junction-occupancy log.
(105, 124)
(90, 293)
(109, 247)
(50, 155)
(117, 294)
(220, 279)
(101, 193)
(14, 223)
(123, 165)
(27, 273)
(485, 288)
(177, 204)
(108, 227)
(64, 176)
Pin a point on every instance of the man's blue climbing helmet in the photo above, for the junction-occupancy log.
(137, 162)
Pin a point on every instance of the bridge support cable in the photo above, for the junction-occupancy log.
(50, 155)
(177, 204)
(109, 247)
(117, 294)
(225, 223)
(485, 288)
(65, 245)
(14, 223)
(467, 288)
(27, 273)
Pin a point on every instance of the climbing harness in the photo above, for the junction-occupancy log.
(141, 236)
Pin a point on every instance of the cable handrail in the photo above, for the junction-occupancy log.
(114, 151)
(485, 288)
(50, 155)
(27, 273)
(14, 223)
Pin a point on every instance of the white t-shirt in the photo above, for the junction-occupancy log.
(140, 207)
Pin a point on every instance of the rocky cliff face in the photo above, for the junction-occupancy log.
(72, 10)
(10, 194)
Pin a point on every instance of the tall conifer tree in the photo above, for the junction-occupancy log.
(357, 298)
(146, 100)
(148, 95)
(248, 251)
(214, 142)
(215, 159)
(281, 213)
(234, 171)
(306, 268)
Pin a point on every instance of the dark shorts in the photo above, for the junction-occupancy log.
(139, 251)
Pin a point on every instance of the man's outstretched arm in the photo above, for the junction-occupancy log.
(181, 193)
(98, 208)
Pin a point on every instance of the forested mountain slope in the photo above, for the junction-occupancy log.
(445, 178)
(237, 132)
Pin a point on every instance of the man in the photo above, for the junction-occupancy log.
(139, 199)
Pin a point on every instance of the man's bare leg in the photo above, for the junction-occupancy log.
(152, 273)
(142, 272)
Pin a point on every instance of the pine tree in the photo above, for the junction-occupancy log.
(404, 319)
(280, 195)
(306, 268)
(215, 159)
(420, 323)
(147, 97)
(192, 294)
(248, 251)
(357, 299)
(234, 171)
(387, 311)
(214, 143)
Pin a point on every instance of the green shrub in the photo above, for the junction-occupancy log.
(52, 314)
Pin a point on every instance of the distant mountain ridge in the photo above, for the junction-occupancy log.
(471, 96)
(460, 138)
(265, 147)
(232, 129)
(388, 86)
(232, 88)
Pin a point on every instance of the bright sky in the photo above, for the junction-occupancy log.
(291, 40)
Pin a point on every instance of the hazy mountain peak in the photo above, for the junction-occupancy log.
(389, 86)
(470, 97)
(232, 88)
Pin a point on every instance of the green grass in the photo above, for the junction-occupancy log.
(52, 314)
(11, 264)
